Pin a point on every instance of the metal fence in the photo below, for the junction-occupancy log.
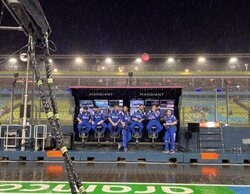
(202, 99)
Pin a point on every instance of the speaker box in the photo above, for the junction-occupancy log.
(194, 127)
(28, 111)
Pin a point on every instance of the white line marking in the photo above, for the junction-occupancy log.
(123, 183)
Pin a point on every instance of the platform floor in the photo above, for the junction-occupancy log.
(198, 178)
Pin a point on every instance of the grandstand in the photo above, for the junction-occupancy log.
(185, 70)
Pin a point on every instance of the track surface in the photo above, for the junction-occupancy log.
(196, 178)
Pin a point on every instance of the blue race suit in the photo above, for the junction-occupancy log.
(170, 132)
(126, 134)
(98, 117)
(153, 117)
(85, 118)
(139, 114)
(115, 116)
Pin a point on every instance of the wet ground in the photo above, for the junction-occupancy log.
(128, 172)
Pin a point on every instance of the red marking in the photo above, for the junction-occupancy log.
(54, 169)
(54, 154)
(209, 156)
(210, 171)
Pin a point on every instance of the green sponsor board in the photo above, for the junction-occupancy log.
(111, 188)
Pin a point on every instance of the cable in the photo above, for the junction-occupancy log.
(53, 49)
(19, 50)
(53, 117)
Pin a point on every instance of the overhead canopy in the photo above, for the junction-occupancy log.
(30, 16)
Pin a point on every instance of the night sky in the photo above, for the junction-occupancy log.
(138, 26)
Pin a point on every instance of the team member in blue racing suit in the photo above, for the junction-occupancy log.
(153, 117)
(84, 119)
(114, 118)
(170, 125)
(98, 120)
(126, 133)
(137, 119)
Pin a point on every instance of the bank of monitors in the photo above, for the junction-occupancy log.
(108, 105)
(105, 105)
(102, 104)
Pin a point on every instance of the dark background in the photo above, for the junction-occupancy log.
(137, 26)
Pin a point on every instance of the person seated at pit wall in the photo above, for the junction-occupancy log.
(114, 118)
(137, 119)
(153, 117)
(98, 118)
(84, 119)
(170, 125)
(126, 133)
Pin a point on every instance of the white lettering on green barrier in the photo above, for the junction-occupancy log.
(114, 188)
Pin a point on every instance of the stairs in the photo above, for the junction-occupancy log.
(211, 140)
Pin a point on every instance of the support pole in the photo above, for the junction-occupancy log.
(12, 103)
(30, 52)
(11, 28)
(216, 104)
(227, 104)
(12, 97)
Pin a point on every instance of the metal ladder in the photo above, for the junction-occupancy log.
(211, 140)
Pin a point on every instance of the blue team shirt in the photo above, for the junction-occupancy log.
(115, 116)
(84, 116)
(126, 117)
(98, 116)
(153, 115)
(139, 115)
(170, 119)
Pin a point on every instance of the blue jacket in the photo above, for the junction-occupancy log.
(84, 117)
(126, 117)
(170, 119)
(153, 115)
(98, 116)
(138, 115)
(115, 116)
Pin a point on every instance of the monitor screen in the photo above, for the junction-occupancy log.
(151, 102)
(88, 103)
(166, 104)
(136, 103)
(101, 103)
(133, 110)
(114, 102)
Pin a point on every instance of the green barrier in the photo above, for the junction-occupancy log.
(111, 188)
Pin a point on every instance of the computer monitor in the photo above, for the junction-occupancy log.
(112, 103)
(101, 103)
(136, 103)
(88, 103)
(166, 104)
(133, 110)
(151, 102)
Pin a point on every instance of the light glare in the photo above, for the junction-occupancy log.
(138, 60)
(12, 60)
(201, 59)
(108, 60)
(170, 60)
(233, 60)
(78, 60)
